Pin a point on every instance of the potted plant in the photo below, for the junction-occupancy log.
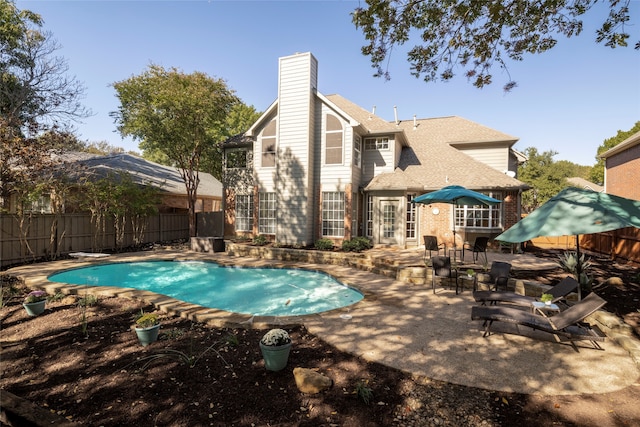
(546, 298)
(34, 302)
(147, 328)
(470, 272)
(275, 346)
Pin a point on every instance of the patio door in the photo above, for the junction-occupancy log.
(389, 222)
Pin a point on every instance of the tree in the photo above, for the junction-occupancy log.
(543, 175)
(476, 35)
(239, 120)
(36, 97)
(597, 173)
(179, 115)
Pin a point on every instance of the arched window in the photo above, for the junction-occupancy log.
(269, 145)
(333, 138)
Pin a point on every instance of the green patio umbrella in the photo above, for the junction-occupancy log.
(574, 211)
(456, 195)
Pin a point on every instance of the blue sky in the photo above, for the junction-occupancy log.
(567, 100)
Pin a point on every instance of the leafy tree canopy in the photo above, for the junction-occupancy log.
(545, 176)
(179, 115)
(476, 35)
(597, 173)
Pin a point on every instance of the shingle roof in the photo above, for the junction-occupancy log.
(146, 172)
(429, 162)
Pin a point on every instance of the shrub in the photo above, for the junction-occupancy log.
(260, 240)
(324, 245)
(363, 391)
(357, 244)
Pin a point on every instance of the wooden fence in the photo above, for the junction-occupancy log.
(75, 233)
(623, 243)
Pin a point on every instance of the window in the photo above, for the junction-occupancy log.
(480, 216)
(376, 144)
(369, 228)
(267, 213)
(411, 217)
(269, 145)
(244, 212)
(333, 213)
(333, 138)
(40, 205)
(236, 159)
(357, 151)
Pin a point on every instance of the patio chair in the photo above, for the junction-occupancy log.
(499, 275)
(568, 325)
(431, 244)
(559, 292)
(441, 267)
(479, 247)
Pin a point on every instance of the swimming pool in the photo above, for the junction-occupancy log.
(246, 290)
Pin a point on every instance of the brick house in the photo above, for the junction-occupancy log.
(622, 168)
(319, 166)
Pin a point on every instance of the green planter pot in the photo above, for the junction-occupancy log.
(148, 335)
(275, 357)
(34, 308)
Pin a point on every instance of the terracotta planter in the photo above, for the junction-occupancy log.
(148, 335)
(34, 308)
(275, 357)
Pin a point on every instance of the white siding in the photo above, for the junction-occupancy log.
(294, 177)
(376, 162)
(496, 157)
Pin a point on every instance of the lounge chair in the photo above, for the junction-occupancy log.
(559, 292)
(567, 325)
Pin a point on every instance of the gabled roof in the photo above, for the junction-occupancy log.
(432, 163)
(584, 184)
(145, 172)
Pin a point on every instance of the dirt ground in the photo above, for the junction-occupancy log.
(84, 363)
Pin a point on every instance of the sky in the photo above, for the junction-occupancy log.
(568, 100)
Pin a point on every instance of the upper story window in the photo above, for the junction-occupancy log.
(376, 143)
(357, 151)
(334, 138)
(269, 145)
(236, 159)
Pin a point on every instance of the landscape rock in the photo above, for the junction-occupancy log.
(310, 381)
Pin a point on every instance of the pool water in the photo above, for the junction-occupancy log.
(256, 291)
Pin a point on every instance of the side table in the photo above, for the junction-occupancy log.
(473, 279)
(544, 309)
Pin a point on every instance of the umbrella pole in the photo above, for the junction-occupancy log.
(578, 267)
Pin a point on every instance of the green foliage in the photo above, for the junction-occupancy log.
(324, 245)
(88, 301)
(179, 115)
(363, 391)
(546, 177)
(597, 173)
(357, 244)
(475, 36)
(546, 298)
(570, 263)
(260, 240)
